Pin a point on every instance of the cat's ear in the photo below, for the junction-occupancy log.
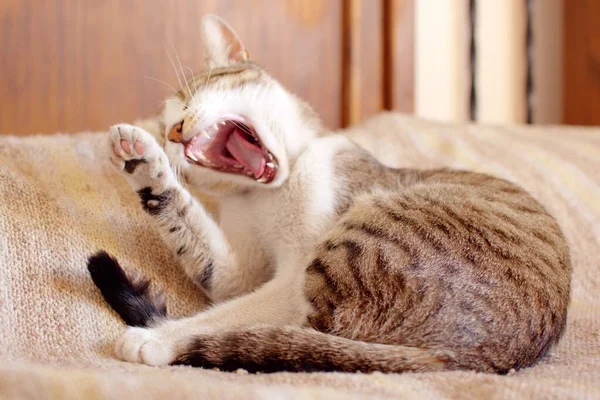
(221, 43)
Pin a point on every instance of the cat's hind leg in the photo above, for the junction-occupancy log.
(277, 303)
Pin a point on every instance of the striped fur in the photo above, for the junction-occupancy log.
(457, 261)
(340, 263)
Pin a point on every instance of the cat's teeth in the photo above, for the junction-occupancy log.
(192, 156)
(205, 134)
(223, 122)
(196, 156)
(215, 127)
(262, 179)
(271, 165)
(269, 157)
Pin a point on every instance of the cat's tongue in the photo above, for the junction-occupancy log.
(246, 153)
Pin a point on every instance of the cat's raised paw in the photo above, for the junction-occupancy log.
(136, 152)
(127, 143)
(144, 346)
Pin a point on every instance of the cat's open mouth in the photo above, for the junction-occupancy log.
(232, 145)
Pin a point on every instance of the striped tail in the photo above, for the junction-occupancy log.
(130, 298)
(296, 349)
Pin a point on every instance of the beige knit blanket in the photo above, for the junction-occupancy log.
(60, 201)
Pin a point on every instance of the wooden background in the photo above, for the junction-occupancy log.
(582, 62)
(73, 65)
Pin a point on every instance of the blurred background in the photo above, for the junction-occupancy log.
(73, 65)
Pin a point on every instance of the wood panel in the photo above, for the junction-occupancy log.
(399, 38)
(71, 65)
(363, 60)
(581, 77)
(548, 39)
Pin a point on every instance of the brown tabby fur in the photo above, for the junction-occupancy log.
(456, 261)
(456, 270)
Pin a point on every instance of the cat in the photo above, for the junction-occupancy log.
(323, 259)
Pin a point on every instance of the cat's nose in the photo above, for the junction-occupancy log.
(176, 134)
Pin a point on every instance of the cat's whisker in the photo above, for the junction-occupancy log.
(161, 104)
(175, 101)
(174, 68)
(196, 104)
(177, 171)
(193, 77)
(242, 127)
(161, 81)
(208, 78)
(181, 69)
(193, 99)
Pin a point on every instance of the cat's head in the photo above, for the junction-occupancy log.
(233, 127)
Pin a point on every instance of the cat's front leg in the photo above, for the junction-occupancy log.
(186, 227)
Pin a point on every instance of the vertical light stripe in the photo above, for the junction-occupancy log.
(501, 63)
(547, 61)
(351, 101)
(442, 59)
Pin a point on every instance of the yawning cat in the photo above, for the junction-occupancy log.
(323, 259)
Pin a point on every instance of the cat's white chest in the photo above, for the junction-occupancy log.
(290, 220)
(254, 219)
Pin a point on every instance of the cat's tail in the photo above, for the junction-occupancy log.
(130, 297)
(296, 349)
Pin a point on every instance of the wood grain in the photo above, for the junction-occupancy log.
(363, 60)
(399, 40)
(72, 65)
(548, 44)
(581, 70)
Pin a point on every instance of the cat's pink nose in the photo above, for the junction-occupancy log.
(176, 134)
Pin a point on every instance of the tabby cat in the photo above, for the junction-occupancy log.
(323, 259)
